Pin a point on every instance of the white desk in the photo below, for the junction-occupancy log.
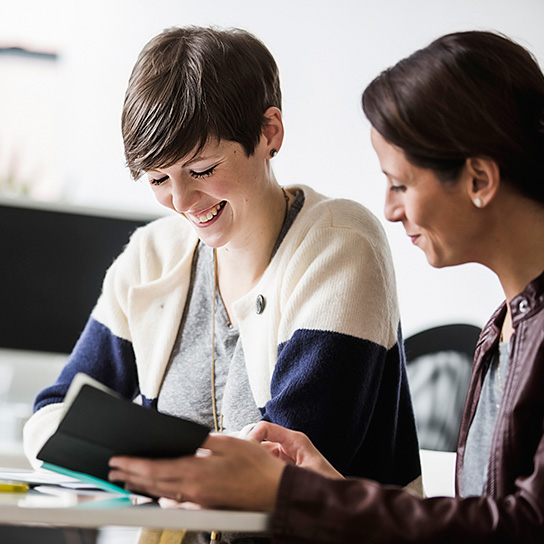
(438, 468)
(68, 509)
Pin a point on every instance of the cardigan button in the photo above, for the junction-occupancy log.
(260, 304)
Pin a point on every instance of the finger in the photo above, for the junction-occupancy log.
(265, 431)
(223, 444)
(156, 469)
(271, 447)
(287, 438)
(139, 484)
(293, 443)
(149, 469)
(129, 464)
(277, 451)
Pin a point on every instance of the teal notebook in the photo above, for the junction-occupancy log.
(86, 478)
(98, 424)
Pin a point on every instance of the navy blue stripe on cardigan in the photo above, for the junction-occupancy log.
(98, 353)
(354, 398)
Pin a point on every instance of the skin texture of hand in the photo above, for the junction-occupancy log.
(232, 473)
(292, 447)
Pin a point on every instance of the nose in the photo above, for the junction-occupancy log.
(394, 209)
(182, 195)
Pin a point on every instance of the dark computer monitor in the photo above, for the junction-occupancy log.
(52, 263)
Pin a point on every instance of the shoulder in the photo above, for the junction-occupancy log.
(340, 214)
(337, 227)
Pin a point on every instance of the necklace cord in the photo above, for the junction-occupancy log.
(214, 406)
(218, 422)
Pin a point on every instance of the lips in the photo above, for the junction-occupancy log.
(207, 216)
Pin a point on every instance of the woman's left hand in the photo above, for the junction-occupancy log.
(293, 447)
(231, 472)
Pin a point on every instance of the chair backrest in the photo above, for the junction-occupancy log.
(54, 257)
(439, 370)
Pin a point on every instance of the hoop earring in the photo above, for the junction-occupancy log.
(273, 152)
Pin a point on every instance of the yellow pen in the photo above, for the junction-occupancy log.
(7, 486)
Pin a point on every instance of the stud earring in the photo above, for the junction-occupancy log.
(478, 202)
(273, 152)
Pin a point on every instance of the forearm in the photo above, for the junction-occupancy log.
(343, 392)
(314, 509)
(101, 355)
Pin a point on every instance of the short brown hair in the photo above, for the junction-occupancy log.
(467, 94)
(191, 84)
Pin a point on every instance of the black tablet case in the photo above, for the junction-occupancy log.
(99, 425)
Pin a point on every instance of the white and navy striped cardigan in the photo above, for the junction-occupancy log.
(324, 357)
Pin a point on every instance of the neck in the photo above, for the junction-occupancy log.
(240, 265)
(519, 256)
(516, 247)
(513, 246)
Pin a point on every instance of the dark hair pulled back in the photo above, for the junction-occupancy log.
(467, 94)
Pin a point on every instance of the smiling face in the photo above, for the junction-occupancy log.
(220, 191)
(437, 216)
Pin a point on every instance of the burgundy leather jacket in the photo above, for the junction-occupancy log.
(311, 508)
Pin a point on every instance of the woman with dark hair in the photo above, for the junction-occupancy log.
(459, 131)
(248, 302)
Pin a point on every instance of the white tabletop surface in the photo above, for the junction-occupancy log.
(65, 507)
(438, 469)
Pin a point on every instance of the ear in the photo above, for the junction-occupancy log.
(484, 175)
(272, 135)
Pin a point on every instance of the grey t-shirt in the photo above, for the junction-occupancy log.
(478, 446)
(187, 387)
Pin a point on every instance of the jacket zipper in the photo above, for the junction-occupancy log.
(501, 422)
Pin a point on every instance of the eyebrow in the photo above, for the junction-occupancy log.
(196, 158)
(200, 156)
(393, 176)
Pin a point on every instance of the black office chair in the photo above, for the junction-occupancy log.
(47, 535)
(439, 369)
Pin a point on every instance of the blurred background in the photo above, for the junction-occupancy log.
(64, 66)
(60, 104)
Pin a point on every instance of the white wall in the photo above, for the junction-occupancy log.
(327, 52)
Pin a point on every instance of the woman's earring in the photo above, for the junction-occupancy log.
(273, 152)
(478, 202)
